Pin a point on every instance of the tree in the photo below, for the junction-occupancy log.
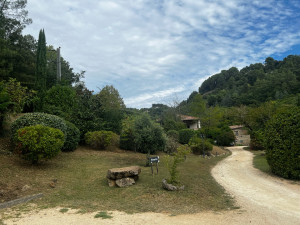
(41, 64)
(109, 105)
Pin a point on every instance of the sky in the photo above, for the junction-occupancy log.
(160, 51)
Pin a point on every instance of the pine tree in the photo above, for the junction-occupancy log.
(41, 64)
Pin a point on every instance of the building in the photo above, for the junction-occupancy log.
(191, 122)
(241, 135)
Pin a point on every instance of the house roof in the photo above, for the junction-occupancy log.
(186, 118)
(236, 127)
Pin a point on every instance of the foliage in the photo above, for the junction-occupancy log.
(171, 145)
(282, 143)
(127, 134)
(172, 124)
(18, 95)
(148, 136)
(39, 142)
(60, 101)
(174, 134)
(172, 163)
(142, 135)
(83, 115)
(225, 138)
(4, 104)
(41, 63)
(253, 84)
(185, 135)
(30, 119)
(102, 139)
(72, 137)
(109, 106)
(200, 146)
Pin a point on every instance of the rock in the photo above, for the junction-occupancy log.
(124, 182)
(111, 183)
(119, 173)
(171, 187)
(25, 187)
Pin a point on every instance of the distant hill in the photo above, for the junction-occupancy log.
(254, 84)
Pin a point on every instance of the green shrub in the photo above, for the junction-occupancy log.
(173, 161)
(226, 138)
(102, 139)
(48, 120)
(198, 145)
(73, 137)
(142, 135)
(282, 142)
(171, 145)
(185, 135)
(148, 135)
(39, 142)
(174, 134)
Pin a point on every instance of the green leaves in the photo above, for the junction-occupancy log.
(282, 142)
(39, 142)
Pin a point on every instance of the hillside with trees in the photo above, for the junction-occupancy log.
(253, 84)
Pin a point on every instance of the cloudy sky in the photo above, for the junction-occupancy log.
(155, 51)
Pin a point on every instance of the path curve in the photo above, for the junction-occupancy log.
(274, 200)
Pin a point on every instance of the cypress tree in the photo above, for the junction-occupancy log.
(41, 64)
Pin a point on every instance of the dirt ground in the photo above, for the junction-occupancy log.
(262, 199)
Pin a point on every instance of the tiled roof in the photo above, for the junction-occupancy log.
(184, 118)
(236, 127)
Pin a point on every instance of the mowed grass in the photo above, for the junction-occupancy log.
(81, 183)
(260, 162)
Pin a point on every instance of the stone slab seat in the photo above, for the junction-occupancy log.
(119, 173)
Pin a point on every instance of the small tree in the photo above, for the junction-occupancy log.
(172, 163)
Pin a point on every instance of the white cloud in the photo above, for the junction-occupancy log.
(145, 48)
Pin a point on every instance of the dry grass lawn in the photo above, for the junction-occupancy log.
(78, 180)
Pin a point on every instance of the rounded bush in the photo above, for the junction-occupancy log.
(102, 139)
(185, 135)
(39, 142)
(72, 138)
(200, 146)
(282, 143)
(48, 120)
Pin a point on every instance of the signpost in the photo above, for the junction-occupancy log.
(155, 160)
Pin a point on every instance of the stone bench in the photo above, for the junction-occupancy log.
(123, 177)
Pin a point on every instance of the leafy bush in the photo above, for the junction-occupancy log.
(225, 138)
(148, 136)
(174, 134)
(48, 120)
(102, 139)
(199, 145)
(171, 145)
(39, 142)
(142, 135)
(73, 137)
(185, 135)
(282, 142)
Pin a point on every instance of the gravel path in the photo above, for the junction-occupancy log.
(268, 199)
(263, 199)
